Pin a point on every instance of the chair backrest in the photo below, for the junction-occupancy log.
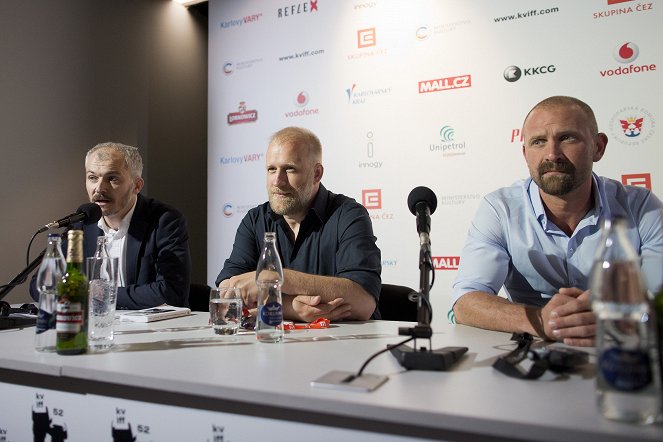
(394, 304)
(199, 297)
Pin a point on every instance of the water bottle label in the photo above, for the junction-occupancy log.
(271, 314)
(626, 370)
(45, 321)
(69, 317)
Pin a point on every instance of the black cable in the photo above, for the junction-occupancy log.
(27, 253)
(389, 347)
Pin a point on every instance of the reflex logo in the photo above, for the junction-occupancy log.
(637, 179)
(228, 210)
(626, 52)
(298, 8)
(514, 73)
(446, 262)
(371, 198)
(632, 125)
(445, 83)
(366, 38)
(243, 116)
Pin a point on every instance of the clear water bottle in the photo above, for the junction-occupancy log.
(53, 266)
(269, 278)
(628, 383)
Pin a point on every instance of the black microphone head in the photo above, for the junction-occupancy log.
(92, 212)
(421, 194)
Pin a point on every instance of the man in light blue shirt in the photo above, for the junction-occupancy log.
(538, 238)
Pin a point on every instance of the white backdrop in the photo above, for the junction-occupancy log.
(414, 92)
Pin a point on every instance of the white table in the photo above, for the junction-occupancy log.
(175, 378)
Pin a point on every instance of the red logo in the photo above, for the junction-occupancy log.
(446, 262)
(366, 38)
(517, 135)
(443, 84)
(637, 179)
(243, 116)
(371, 198)
(614, 2)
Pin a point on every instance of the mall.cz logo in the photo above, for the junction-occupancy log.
(627, 52)
(243, 115)
(514, 73)
(639, 7)
(366, 38)
(444, 84)
(298, 8)
(637, 179)
(446, 262)
(371, 198)
(240, 21)
(532, 13)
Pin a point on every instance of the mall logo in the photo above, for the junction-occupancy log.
(627, 52)
(366, 38)
(298, 8)
(243, 115)
(446, 262)
(247, 19)
(514, 73)
(448, 146)
(371, 199)
(359, 96)
(301, 100)
(637, 179)
(632, 125)
(445, 84)
(623, 7)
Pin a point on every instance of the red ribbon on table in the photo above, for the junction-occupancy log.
(317, 324)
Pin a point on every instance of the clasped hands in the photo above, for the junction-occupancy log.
(568, 317)
(306, 308)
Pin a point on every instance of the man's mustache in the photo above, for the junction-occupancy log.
(549, 166)
(99, 197)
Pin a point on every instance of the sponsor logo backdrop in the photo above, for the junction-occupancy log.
(432, 93)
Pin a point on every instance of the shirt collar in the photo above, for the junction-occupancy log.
(124, 224)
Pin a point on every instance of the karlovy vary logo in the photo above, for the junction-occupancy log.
(301, 101)
(625, 53)
(448, 145)
(359, 96)
(243, 115)
(298, 8)
(632, 125)
(247, 19)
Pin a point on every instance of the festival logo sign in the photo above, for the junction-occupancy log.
(632, 125)
(242, 115)
(301, 100)
(238, 160)
(514, 73)
(625, 53)
(448, 145)
(637, 179)
(446, 262)
(445, 83)
(240, 21)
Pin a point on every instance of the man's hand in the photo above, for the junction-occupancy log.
(246, 283)
(310, 308)
(568, 317)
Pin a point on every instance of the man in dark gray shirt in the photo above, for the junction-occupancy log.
(326, 243)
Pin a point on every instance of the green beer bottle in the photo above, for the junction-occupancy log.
(71, 319)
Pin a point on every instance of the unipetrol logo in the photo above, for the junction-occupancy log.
(632, 125)
(448, 145)
(626, 52)
(228, 210)
(301, 100)
(445, 84)
(360, 96)
(514, 73)
(247, 19)
(298, 8)
(243, 115)
(446, 262)
(238, 160)
(620, 7)
(366, 38)
(637, 179)
(228, 68)
(371, 199)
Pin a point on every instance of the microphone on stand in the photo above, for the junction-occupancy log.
(89, 213)
(422, 202)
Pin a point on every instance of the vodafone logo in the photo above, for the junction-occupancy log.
(626, 52)
(302, 99)
(446, 262)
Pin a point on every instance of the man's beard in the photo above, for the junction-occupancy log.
(295, 203)
(556, 185)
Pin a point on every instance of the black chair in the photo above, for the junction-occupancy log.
(394, 304)
(199, 297)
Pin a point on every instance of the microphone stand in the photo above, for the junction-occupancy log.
(5, 308)
(425, 358)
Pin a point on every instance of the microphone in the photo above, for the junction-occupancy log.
(89, 213)
(422, 202)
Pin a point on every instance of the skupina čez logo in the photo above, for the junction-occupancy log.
(514, 73)
(632, 125)
(243, 115)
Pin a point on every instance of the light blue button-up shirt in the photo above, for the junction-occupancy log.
(512, 243)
